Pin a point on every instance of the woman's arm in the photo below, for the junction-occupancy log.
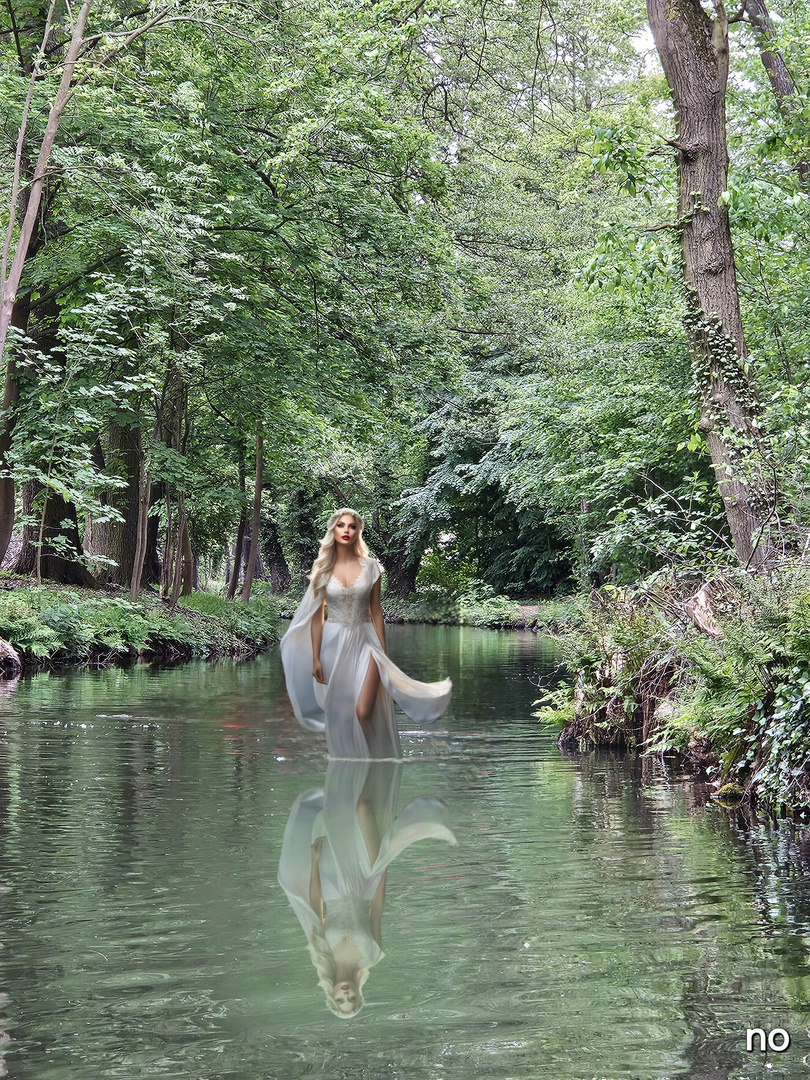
(375, 610)
(316, 630)
(375, 915)
(315, 895)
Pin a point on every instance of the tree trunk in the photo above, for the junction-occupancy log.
(189, 572)
(233, 578)
(227, 562)
(60, 559)
(401, 572)
(19, 320)
(781, 80)
(168, 552)
(237, 553)
(275, 564)
(182, 550)
(256, 521)
(151, 564)
(118, 540)
(258, 570)
(142, 536)
(694, 53)
(29, 222)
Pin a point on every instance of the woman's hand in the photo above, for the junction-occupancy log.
(317, 672)
(316, 849)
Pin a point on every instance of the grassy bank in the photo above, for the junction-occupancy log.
(61, 624)
(447, 608)
(55, 624)
(715, 671)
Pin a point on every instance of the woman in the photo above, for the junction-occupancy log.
(339, 677)
(338, 845)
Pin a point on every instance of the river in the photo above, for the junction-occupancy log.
(594, 920)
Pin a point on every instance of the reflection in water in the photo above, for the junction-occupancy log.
(595, 919)
(338, 845)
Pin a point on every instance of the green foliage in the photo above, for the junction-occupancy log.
(638, 662)
(477, 605)
(557, 707)
(56, 623)
(256, 621)
(444, 569)
(430, 256)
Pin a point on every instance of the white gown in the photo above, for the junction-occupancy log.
(349, 879)
(349, 642)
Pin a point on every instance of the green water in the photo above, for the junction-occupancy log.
(594, 920)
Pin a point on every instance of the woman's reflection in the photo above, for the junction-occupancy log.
(338, 844)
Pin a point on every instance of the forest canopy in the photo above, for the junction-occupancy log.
(486, 272)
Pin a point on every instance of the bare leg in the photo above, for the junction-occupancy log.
(368, 697)
(368, 827)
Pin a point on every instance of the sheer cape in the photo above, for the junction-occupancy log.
(349, 642)
(349, 878)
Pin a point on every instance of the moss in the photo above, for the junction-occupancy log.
(731, 792)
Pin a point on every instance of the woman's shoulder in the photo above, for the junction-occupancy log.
(374, 563)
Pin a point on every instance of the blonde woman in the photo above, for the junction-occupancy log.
(338, 845)
(339, 677)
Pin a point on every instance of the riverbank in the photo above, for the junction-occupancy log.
(64, 624)
(60, 624)
(442, 608)
(445, 607)
(714, 671)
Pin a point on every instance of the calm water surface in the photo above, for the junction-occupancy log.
(594, 919)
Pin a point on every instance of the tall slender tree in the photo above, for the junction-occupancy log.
(694, 50)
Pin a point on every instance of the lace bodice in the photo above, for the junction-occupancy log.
(348, 917)
(349, 606)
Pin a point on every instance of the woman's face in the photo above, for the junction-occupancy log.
(346, 531)
(345, 995)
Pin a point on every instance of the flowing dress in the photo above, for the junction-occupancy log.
(349, 877)
(349, 642)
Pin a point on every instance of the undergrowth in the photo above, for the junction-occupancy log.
(477, 605)
(642, 673)
(73, 624)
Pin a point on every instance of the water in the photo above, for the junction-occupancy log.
(595, 920)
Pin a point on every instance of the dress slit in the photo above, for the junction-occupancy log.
(348, 646)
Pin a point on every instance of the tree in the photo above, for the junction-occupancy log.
(694, 52)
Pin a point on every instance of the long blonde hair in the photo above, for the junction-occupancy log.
(321, 956)
(325, 562)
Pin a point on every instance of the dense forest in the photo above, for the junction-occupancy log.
(524, 282)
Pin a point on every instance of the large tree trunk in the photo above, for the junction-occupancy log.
(694, 53)
(61, 546)
(118, 540)
(401, 572)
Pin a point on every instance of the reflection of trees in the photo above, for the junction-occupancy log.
(115, 789)
(739, 882)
